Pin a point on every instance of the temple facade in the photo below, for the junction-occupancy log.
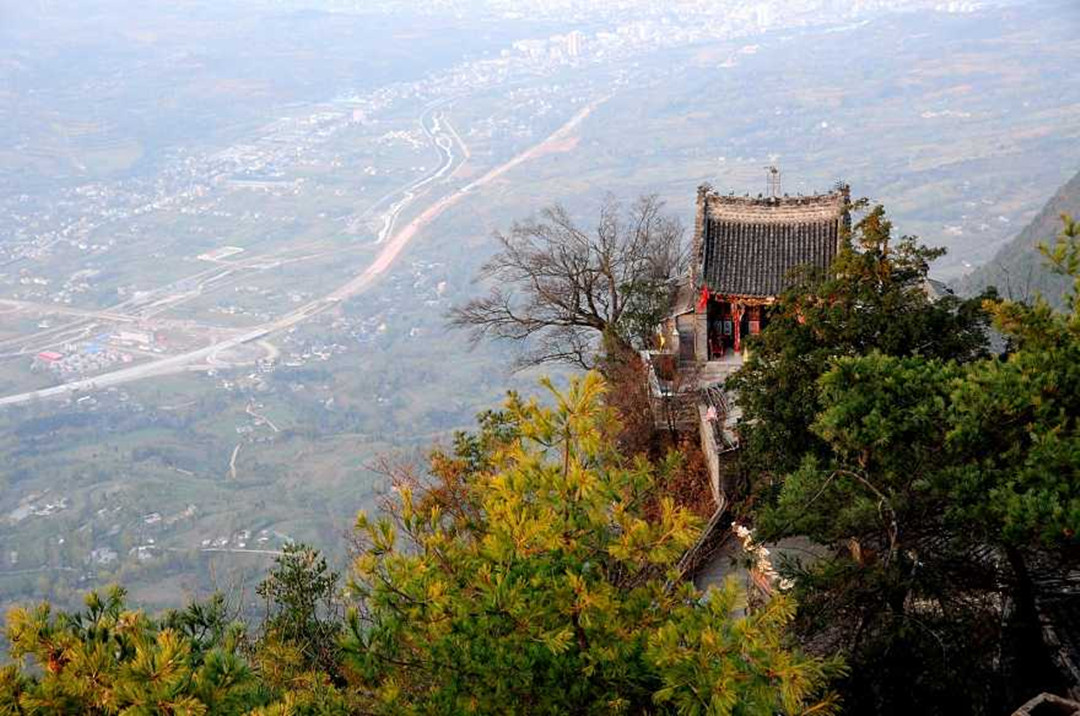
(746, 251)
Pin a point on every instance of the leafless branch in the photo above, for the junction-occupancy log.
(562, 289)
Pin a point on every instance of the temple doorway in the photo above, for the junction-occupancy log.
(730, 325)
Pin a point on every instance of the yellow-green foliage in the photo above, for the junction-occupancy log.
(109, 660)
(547, 585)
(534, 573)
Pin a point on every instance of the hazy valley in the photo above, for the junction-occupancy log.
(266, 234)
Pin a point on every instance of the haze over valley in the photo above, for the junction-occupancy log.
(230, 232)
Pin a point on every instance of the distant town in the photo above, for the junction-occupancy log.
(72, 230)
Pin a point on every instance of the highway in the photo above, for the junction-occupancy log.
(446, 140)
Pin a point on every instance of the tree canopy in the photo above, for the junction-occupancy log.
(568, 290)
(111, 659)
(874, 298)
(551, 588)
(531, 570)
(933, 475)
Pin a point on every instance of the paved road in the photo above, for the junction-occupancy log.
(445, 139)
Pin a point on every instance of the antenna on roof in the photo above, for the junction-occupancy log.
(772, 182)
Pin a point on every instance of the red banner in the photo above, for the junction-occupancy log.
(703, 299)
(737, 314)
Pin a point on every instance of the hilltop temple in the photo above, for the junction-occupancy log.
(746, 252)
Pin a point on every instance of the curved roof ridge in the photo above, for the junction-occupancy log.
(750, 245)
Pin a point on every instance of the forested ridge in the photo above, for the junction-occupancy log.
(1018, 269)
(533, 565)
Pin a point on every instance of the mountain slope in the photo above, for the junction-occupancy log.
(1019, 270)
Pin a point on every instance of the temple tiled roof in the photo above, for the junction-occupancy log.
(749, 247)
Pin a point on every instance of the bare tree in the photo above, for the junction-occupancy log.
(576, 296)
